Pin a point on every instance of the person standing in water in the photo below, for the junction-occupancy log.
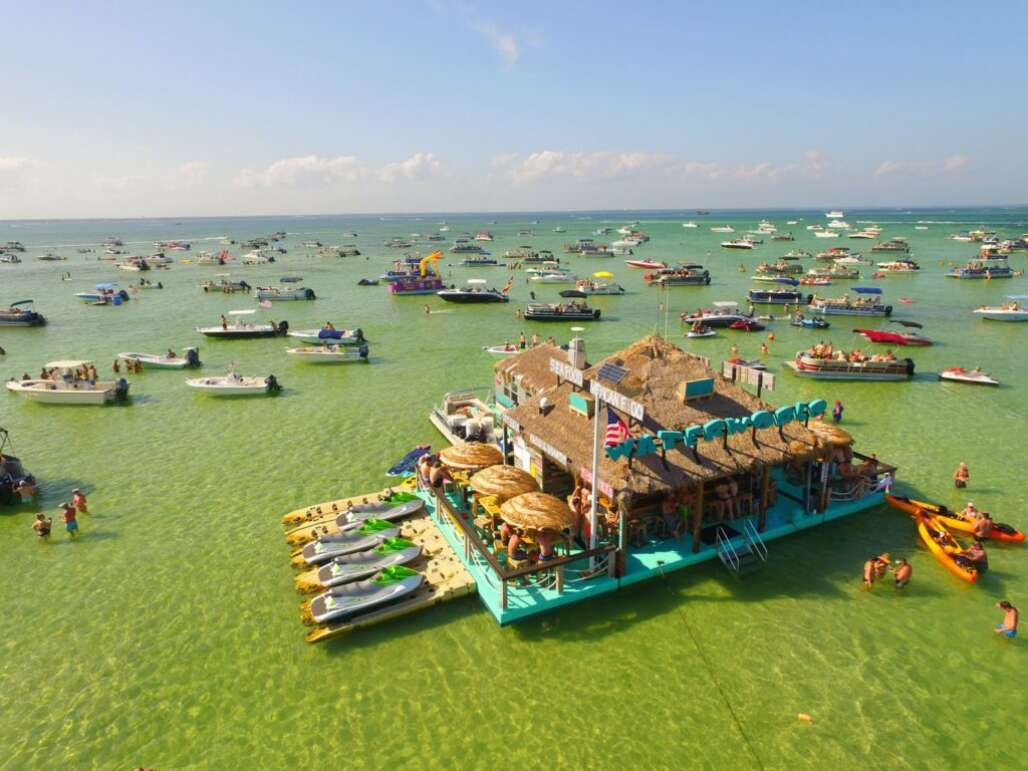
(903, 571)
(961, 475)
(78, 500)
(1010, 618)
(837, 410)
(42, 526)
(70, 523)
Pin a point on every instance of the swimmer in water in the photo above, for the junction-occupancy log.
(869, 573)
(902, 572)
(1010, 618)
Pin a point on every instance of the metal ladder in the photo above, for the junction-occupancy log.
(747, 558)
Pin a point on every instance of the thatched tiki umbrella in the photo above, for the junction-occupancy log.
(471, 455)
(538, 511)
(830, 434)
(504, 482)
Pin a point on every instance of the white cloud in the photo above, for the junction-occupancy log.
(600, 165)
(503, 42)
(193, 171)
(118, 184)
(13, 171)
(418, 167)
(304, 170)
(947, 165)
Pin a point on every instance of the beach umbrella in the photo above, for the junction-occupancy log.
(471, 455)
(504, 482)
(603, 274)
(830, 433)
(538, 511)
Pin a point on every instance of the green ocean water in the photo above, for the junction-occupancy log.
(169, 634)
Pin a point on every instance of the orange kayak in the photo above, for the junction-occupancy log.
(942, 545)
(954, 520)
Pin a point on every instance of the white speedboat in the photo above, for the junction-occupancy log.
(834, 214)
(234, 384)
(1015, 310)
(507, 349)
(738, 243)
(329, 354)
(689, 225)
(64, 388)
(240, 329)
(169, 360)
(973, 377)
(839, 225)
(826, 234)
(329, 336)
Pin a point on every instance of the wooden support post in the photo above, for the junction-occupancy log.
(560, 579)
(765, 488)
(503, 594)
(697, 518)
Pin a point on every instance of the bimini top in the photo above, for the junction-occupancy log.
(29, 302)
(477, 281)
(241, 313)
(106, 285)
(725, 304)
(867, 289)
(68, 363)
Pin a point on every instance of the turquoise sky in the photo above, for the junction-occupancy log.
(135, 109)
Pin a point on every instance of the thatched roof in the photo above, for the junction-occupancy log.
(655, 369)
(831, 433)
(533, 366)
(504, 482)
(471, 455)
(538, 511)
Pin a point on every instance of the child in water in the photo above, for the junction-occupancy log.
(837, 412)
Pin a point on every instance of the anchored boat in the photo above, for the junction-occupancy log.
(822, 368)
(1015, 310)
(240, 329)
(561, 312)
(330, 354)
(278, 294)
(66, 387)
(234, 384)
(169, 360)
(329, 335)
(21, 314)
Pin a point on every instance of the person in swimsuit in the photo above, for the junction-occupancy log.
(438, 476)
(902, 572)
(545, 539)
(983, 526)
(1010, 618)
(78, 500)
(882, 562)
(70, 523)
(42, 526)
(837, 411)
(869, 573)
(961, 475)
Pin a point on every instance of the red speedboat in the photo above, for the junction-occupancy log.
(647, 264)
(746, 326)
(893, 338)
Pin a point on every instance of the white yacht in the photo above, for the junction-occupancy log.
(689, 224)
(834, 214)
(722, 229)
(839, 225)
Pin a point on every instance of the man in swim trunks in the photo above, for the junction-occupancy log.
(70, 524)
(869, 572)
(42, 526)
(1010, 618)
(902, 572)
(983, 526)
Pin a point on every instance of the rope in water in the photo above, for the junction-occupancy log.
(713, 677)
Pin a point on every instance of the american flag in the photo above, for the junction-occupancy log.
(617, 429)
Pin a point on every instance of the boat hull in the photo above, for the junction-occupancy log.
(45, 392)
(830, 370)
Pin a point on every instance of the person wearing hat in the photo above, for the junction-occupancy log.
(78, 500)
(70, 523)
(882, 562)
(970, 511)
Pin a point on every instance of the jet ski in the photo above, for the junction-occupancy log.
(352, 518)
(329, 509)
(389, 585)
(354, 567)
(370, 534)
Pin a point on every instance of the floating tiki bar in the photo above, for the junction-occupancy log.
(662, 463)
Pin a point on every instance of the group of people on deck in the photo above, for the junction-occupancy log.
(825, 350)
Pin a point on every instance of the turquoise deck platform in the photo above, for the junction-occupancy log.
(641, 563)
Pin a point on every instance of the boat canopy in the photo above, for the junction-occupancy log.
(603, 274)
(106, 285)
(725, 304)
(477, 281)
(867, 289)
(68, 364)
(29, 302)
(241, 313)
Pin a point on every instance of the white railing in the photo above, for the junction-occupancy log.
(757, 545)
(726, 551)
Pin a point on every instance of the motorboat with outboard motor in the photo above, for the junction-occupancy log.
(777, 297)
(17, 485)
(571, 311)
(799, 320)
(868, 304)
(106, 294)
(241, 329)
(829, 368)
(234, 384)
(888, 337)
(343, 602)
(723, 314)
(973, 377)
(279, 294)
(330, 354)
(1015, 310)
(329, 335)
(169, 360)
(475, 292)
(21, 314)
(66, 386)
